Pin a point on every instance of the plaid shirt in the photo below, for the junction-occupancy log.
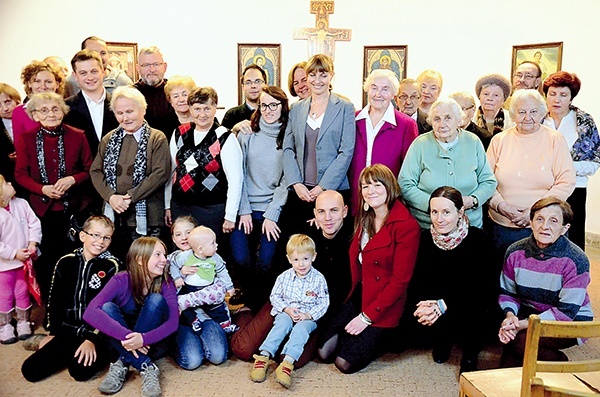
(308, 294)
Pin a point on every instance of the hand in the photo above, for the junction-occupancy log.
(168, 219)
(231, 292)
(245, 223)
(512, 212)
(86, 353)
(315, 191)
(356, 326)
(119, 203)
(188, 270)
(313, 222)
(22, 254)
(271, 230)
(523, 219)
(133, 342)
(179, 283)
(228, 226)
(13, 156)
(303, 316)
(293, 313)
(510, 327)
(63, 184)
(427, 312)
(243, 126)
(32, 248)
(302, 192)
(468, 202)
(51, 192)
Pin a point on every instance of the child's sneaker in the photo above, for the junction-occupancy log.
(259, 369)
(283, 374)
(7, 334)
(114, 379)
(150, 380)
(23, 330)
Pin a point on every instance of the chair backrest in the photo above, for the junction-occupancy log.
(537, 329)
(538, 389)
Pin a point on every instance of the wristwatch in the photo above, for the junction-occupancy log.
(475, 202)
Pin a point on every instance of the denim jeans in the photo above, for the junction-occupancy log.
(154, 312)
(192, 348)
(504, 236)
(299, 334)
(244, 245)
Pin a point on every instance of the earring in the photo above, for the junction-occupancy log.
(365, 206)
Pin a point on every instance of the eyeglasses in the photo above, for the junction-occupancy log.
(525, 76)
(271, 106)
(46, 111)
(96, 236)
(255, 82)
(150, 65)
(466, 109)
(412, 98)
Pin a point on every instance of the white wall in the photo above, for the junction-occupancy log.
(463, 39)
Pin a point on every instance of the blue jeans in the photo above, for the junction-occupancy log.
(504, 236)
(299, 334)
(192, 348)
(154, 312)
(243, 245)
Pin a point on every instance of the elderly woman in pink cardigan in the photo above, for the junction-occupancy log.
(383, 134)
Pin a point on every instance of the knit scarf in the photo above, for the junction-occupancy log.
(451, 240)
(39, 150)
(111, 157)
(498, 122)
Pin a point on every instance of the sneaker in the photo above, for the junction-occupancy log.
(7, 334)
(283, 374)
(259, 369)
(114, 379)
(33, 344)
(23, 330)
(150, 380)
(238, 298)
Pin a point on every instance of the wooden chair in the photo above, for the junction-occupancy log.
(538, 389)
(509, 381)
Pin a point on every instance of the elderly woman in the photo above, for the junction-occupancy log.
(581, 133)
(297, 81)
(449, 285)
(492, 90)
(207, 163)
(382, 257)
(431, 83)
(530, 161)
(383, 134)
(130, 170)
(177, 90)
(9, 99)
(53, 164)
(543, 274)
(318, 144)
(446, 156)
(36, 77)
(467, 104)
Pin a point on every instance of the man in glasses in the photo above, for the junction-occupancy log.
(409, 94)
(238, 118)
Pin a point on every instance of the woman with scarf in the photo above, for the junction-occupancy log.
(581, 133)
(492, 91)
(130, 171)
(53, 163)
(453, 281)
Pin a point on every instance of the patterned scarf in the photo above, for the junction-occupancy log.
(111, 157)
(587, 145)
(498, 122)
(39, 149)
(451, 240)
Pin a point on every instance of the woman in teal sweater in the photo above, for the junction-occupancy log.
(446, 156)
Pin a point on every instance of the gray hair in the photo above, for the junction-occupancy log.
(463, 95)
(449, 102)
(150, 50)
(34, 101)
(527, 94)
(493, 79)
(127, 92)
(386, 74)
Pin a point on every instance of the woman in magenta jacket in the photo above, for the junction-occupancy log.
(382, 257)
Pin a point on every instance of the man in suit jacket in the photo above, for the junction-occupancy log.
(90, 110)
(407, 100)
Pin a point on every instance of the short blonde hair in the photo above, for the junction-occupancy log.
(300, 243)
(178, 81)
(35, 100)
(10, 92)
(386, 74)
(431, 74)
(127, 92)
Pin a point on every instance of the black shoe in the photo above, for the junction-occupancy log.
(468, 363)
(441, 353)
(238, 298)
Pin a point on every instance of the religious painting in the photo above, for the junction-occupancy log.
(123, 56)
(384, 57)
(547, 55)
(267, 56)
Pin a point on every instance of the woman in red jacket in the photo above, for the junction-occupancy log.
(382, 257)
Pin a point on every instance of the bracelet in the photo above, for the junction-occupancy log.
(365, 319)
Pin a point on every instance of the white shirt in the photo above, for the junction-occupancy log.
(96, 109)
(373, 130)
(8, 125)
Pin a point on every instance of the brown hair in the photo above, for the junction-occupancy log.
(299, 65)
(30, 71)
(254, 66)
(319, 63)
(86, 55)
(563, 79)
(180, 219)
(565, 208)
(10, 92)
(203, 95)
(101, 220)
(279, 95)
(365, 220)
(137, 265)
(450, 193)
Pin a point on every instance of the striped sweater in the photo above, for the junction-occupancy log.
(552, 281)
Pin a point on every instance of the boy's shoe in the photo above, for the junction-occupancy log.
(23, 330)
(283, 374)
(259, 369)
(150, 380)
(114, 379)
(33, 344)
(7, 334)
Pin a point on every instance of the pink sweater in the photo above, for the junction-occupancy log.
(529, 167)
(18, 227)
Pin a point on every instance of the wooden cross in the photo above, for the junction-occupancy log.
(321, 39)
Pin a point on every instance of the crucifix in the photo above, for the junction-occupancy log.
(321, 39)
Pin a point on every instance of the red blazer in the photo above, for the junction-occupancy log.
(388, 261)
(78, 160)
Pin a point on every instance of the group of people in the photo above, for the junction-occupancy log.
(400, 221)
